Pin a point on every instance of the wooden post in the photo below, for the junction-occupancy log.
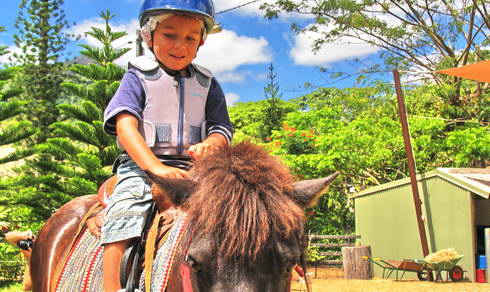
(487, 250)
(355, 267)
(411, 163)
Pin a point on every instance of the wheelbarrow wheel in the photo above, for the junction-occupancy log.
(456, 274)
(425, 275)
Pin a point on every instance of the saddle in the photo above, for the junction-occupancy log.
(158, 224)
(107, 188)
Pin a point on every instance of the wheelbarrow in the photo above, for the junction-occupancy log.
(453, 271)
(399, 268)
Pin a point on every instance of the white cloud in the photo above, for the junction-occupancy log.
(226, 51)
(231, 98)
(125, 42)
(222, 53)
(343, 48)
(231, 77)
(11, 49)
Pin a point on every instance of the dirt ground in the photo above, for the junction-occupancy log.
(331, 279)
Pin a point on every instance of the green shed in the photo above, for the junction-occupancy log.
(455, 209)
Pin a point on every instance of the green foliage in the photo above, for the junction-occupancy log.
(313, 254)
(14, 129)
(272, 109)
(41, 45)
(249, 118)
(29, 93)
(107, 53)
(3, 49)
(469, 146)
(256, 121)
(357, 131)
(86, 149)
(10, 287)
(433, 35)
(77, 155)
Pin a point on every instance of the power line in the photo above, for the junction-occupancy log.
(236, 7)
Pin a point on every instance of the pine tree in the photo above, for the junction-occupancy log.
(36, 186)
(272, 111)
(81, 139)
(13, 128)
(81, 153)
(3, 49)
(41, 37)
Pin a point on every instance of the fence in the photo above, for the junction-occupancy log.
(328, 248)
(11, 271)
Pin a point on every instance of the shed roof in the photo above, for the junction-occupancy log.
(475, 180)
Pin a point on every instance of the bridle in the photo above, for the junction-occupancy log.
(188, 279)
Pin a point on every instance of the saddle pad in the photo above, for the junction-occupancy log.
(165, 256)
(83, 268)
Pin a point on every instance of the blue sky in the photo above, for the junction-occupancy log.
(238, 56)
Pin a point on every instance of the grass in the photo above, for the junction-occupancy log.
(375, 285)
(381, 285)
(332, 280)
(11, 287)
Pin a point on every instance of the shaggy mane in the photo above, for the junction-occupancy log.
(244, 199)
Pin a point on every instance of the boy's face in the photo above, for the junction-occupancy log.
(176, 40)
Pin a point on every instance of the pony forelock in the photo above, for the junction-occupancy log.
(244, 199)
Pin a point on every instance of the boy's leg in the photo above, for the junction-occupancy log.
(113, 253)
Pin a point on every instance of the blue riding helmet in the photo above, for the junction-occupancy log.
(204, 8)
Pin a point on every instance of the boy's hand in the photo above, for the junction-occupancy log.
(198, 151)
(169, 172)
(208, 146)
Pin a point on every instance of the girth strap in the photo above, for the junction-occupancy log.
(150, 247)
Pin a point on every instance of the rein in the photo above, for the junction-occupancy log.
(185, 268)
(305, 274)
(302, 260)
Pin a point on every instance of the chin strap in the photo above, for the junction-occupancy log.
(139, 44)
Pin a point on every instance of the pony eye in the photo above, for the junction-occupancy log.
(193, 263)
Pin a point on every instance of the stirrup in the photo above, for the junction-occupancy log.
(135, 254)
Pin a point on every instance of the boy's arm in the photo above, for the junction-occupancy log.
(135, 146)
(216, 140)
(218, 120)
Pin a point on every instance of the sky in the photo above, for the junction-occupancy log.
(238, 56)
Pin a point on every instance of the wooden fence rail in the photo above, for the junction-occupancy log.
(329, 247)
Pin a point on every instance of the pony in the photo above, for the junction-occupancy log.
(243, 228)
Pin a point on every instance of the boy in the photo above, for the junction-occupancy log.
(162, 112)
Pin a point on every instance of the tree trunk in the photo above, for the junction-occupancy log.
(355, 267)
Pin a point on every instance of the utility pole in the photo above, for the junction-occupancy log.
(411, 162)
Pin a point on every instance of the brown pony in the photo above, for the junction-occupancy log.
(245, 220)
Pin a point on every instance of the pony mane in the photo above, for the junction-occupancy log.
(244, 199)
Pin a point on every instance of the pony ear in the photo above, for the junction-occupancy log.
(307, 192)
(174, 190)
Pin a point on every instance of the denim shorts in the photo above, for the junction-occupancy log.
(128, 206)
